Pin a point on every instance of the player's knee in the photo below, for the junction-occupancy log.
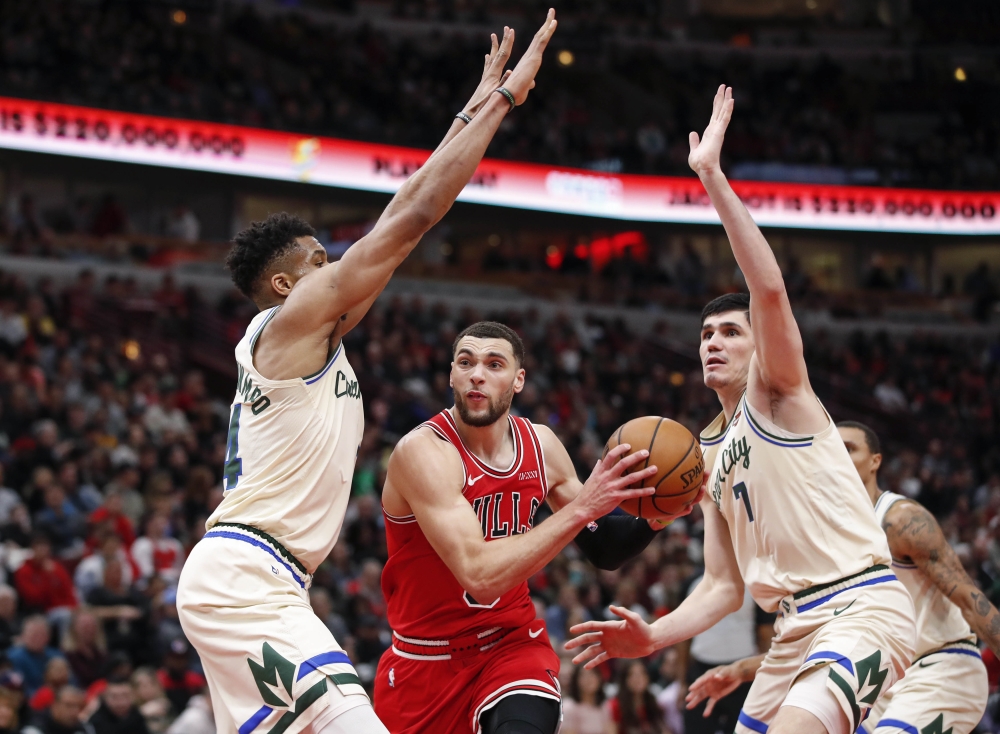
(521, 714)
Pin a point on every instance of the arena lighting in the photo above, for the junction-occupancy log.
(960, 74)
(565, 58)
(179, 17)
(281, 156)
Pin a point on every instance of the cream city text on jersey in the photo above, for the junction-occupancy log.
(738, 451)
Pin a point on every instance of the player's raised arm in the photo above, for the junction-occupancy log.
(912, 531)
(781, 365)
(719, 593)
(329, 294)
(427, 474)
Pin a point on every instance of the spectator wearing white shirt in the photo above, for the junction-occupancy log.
(157, 554)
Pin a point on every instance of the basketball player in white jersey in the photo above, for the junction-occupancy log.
(295, 427)
(785, 511)
(945, 688)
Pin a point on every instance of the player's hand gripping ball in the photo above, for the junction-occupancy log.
(675, 452)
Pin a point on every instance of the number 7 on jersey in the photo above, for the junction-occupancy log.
(740, 491)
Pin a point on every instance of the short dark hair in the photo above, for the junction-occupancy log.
(726, 303)
(871, 438)
(492, 330)
(259, 245)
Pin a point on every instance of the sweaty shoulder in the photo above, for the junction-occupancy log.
(421, 463)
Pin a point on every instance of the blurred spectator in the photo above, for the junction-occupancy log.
(183, 224)
(85, 647)
(89, 573)
(178, 680)
(9, 499)
(634, 710)
(42, 582)
(118, 713)
(156, 554)
(109, 219)
(670, 699)
(31, 657)
(9, 704)
(153, 704)
(197, 718)
(9, 626)
(583, 705)
(63, 717)
(112, 512)
(57, 675)
(62, 522)
(322, 606)
(124, 612)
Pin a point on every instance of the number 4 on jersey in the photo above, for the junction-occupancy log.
(234, 464)
(739, 490)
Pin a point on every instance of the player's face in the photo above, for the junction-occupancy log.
(864, 460)
(726, 349)
(310, 255)
(485, 376)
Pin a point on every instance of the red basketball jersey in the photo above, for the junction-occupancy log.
(424, 599)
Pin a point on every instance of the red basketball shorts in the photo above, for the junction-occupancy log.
(424, 688)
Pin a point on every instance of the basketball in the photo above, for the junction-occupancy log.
(677, 455)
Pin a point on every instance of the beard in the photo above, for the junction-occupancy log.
(496, 410)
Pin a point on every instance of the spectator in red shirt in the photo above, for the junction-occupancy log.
(42, 582)
(112, 510)
(179, 682)
(634, 709)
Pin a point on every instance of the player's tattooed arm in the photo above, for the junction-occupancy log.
(913, 533)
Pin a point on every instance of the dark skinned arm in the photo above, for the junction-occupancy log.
(914, 533)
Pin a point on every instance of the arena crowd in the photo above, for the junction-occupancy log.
(111, 453)
(623, 99)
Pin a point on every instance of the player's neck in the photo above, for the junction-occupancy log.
(730, 398)
(492, 444)
(874, 491)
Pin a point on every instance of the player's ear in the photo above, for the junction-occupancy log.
(876, 462)
(282, 284)
(519, 381)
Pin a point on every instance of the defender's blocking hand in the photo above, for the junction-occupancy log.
(522, 79)
(493, 73)
(705, 153)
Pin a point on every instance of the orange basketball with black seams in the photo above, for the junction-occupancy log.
(677, 456)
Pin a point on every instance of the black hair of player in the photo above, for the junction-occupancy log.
(726, 303)
(871, 438)
(256, 248)
(493, 330)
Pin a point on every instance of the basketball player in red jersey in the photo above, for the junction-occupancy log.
(468, 655)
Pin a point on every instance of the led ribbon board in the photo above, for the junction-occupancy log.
(203, 146)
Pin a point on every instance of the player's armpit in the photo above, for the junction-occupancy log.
(913, 533)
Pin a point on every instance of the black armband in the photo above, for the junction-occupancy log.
(614, 540)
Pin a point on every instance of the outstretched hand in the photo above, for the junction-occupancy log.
(522, 79)
(714, 685)
(493, 72)
(705, 153)
(630, 637)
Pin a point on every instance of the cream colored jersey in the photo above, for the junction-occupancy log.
(797, 512)
(291, 452)
(939, 621)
